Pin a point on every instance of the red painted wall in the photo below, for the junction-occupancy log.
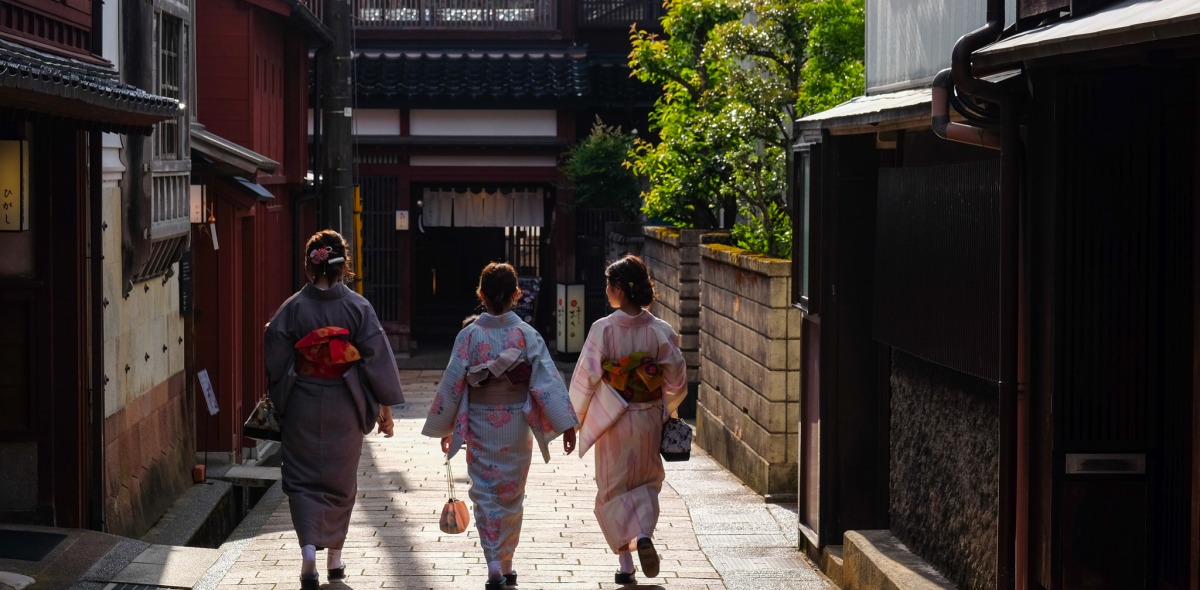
(252, 88)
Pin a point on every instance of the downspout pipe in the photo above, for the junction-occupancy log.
(962, 76)
(96, 515)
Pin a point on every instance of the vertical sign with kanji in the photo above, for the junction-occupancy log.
(569, 334)
(14, 180)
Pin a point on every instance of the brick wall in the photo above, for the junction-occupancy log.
(148, 455)
(673, 256)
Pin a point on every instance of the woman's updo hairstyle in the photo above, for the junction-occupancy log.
(497, 284)
(630, 275)
(325, 256)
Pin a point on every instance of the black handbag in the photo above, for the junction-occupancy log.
(263, 423)
(676, 440)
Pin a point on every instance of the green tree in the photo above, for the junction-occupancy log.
(595, 169)
(684, 167)
(765, 64)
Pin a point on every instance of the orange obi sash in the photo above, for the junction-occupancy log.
(637, 377)
(325, 353)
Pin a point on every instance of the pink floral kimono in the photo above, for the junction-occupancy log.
(500, 392)
(630, 377)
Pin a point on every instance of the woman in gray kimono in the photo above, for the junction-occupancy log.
(333, 378)
(500, 385)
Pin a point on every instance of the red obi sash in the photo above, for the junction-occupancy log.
(325, 353)
(637, 377)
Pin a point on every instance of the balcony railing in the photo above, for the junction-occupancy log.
(486, 15)
(619, 13)
(495, 15)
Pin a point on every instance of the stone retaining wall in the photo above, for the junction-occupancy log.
(748, 410)
(673, 256)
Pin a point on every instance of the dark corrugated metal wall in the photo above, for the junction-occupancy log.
(936, 276)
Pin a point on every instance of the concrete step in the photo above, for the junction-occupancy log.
(833, 564)
(877, 560)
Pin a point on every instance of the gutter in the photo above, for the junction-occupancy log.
(1007, 140)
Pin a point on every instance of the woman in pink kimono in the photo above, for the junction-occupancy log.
(629, 379)
(333, 378)
(500, 386)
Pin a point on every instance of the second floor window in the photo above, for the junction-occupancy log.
(170, 83)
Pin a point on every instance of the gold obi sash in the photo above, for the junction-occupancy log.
(637, 377)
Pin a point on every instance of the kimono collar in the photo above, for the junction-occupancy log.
(504, 320)
(621, 318)
(337, 291)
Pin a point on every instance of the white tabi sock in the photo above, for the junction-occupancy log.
(494, 571)
(334, 559)
(626, 562)
(308, 567)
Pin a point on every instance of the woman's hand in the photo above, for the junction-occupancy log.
(446, 444)
(386, 426)
(568, 441)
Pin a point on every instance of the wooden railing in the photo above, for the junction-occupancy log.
(487, 15)
(491, 15)
(619, 13)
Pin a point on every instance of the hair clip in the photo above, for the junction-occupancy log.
(337, 260)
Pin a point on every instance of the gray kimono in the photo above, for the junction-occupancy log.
(323, 420)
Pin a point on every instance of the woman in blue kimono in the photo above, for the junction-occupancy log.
(500, 392)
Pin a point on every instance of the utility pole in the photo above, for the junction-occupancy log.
(337, 101)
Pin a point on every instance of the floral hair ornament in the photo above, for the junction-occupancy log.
(320, 254)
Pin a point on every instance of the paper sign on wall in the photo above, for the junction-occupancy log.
(209, 396)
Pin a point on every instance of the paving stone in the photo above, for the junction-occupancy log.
(714, 533)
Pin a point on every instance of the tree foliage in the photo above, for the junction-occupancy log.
(596, 170)
(736, 75)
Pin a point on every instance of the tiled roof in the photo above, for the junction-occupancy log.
(93, 95)
(472, 75)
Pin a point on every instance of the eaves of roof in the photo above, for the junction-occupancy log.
(228, 158)
(88, 95)
(873, 112)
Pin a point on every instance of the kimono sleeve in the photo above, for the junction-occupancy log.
(674, 366)
(585, 380)
(546, 383)
(378, 365)
(439, 422)
(279, 352)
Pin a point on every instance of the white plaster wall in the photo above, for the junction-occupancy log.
(475, 161)
(483, 123)
(141, 325)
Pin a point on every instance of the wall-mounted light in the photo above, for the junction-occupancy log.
(14, 185)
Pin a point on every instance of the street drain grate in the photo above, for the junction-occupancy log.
(136, 587)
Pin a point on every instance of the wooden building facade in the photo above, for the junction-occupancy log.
(79, 118)
(463, 113)
(999, 274)
(250, 154)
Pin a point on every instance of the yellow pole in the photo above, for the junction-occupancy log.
(358, 224)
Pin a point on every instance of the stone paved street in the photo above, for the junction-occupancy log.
(714, 532)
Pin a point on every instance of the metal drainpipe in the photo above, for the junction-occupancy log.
(1009, 288)
(96, 517)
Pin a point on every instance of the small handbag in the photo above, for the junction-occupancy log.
(676, 440)
(263, 423)
(455, 517)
